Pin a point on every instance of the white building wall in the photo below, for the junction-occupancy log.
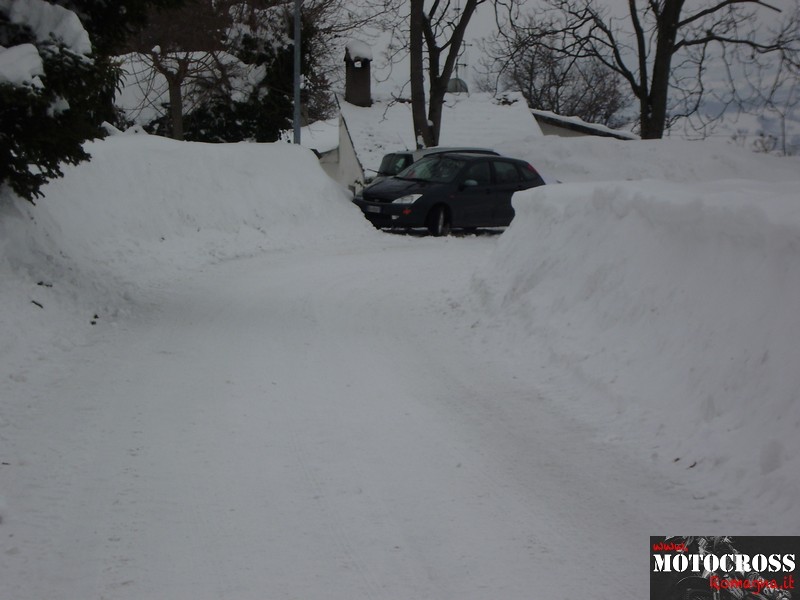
(350, 173)
(330, 163)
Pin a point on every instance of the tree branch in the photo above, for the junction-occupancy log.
(714, 9)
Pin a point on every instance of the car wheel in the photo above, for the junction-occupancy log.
(439, 221)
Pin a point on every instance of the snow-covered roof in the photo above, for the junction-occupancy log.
(468, 120)
(579, 125)
(321, 136)
(358, 50)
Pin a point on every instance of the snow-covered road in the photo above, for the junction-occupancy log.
(310, 425)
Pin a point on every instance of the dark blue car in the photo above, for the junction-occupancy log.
(449, 191)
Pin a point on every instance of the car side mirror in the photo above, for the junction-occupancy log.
(469, 183)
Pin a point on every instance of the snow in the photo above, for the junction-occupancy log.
(600, 129)
(21, 65)
(218, 381)
(359, 50)
(765, 131)
(49, 21)
(322, 136)
(681, 318)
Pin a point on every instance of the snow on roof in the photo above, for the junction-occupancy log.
(322, 136)
(468, 120)
(359, 50)
(579, 124)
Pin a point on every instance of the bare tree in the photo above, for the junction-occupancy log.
(439, 31)
(213, 54)
(430, 33)
(773, 92)
(183, 45)
(663, 48)
(551, 79)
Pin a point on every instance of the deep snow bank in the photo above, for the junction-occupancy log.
(676, 307)
(141, 211)
(144, 201)
(144, 191)
(601, 159)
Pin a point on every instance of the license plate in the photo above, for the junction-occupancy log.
(372, 209)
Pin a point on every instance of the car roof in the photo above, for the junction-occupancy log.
(422, 152)
(473, 156)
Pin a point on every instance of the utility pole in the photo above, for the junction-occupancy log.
(296, 123)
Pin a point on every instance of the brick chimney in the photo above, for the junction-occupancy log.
(357, 86)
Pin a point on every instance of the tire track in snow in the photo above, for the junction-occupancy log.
(369, 587)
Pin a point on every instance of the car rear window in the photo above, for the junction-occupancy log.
(506, 172)
(529, 173)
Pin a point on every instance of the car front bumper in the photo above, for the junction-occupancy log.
(387, 214)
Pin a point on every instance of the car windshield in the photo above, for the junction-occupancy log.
(434, 169)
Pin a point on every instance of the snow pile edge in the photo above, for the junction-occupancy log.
(675, 305)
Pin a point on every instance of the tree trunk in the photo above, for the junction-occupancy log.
(435, 111)
(175, 108)
(428, 117)
(653, 117)
(422, 130)
(174, 81)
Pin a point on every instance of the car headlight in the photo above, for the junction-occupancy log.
(410, 199)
